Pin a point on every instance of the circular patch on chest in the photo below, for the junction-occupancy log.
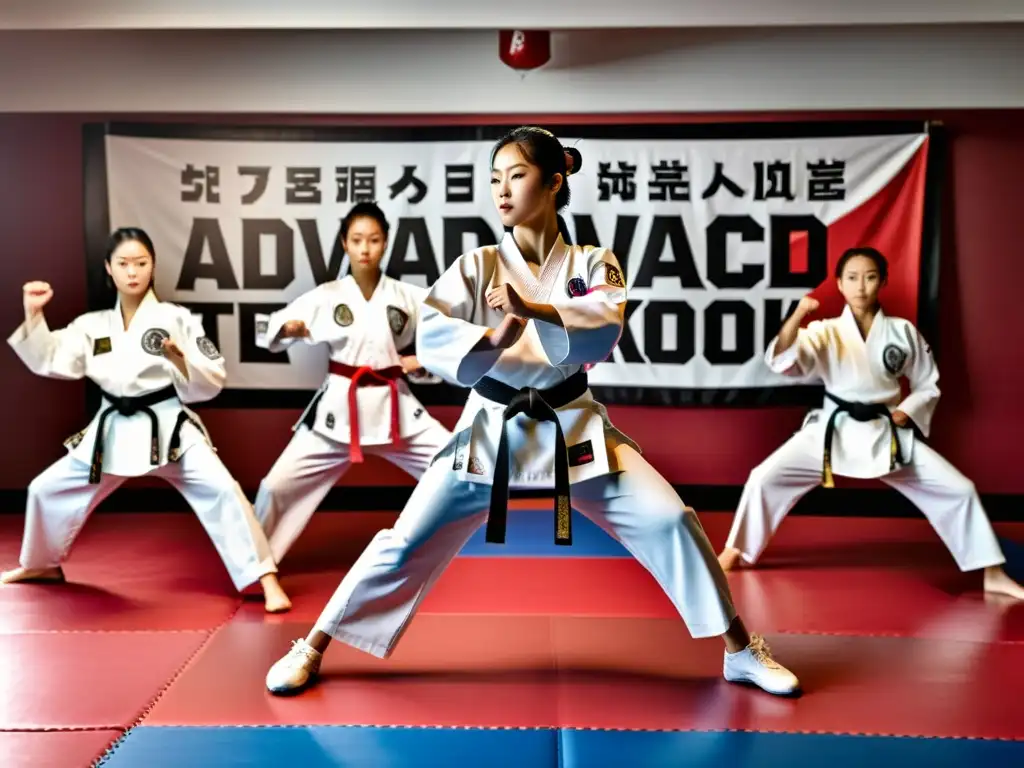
(893, 358)
(153, 341)
(343, 315)
(576, 287)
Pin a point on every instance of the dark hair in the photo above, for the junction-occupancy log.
(868, 253)
(544, 150)
(130, 235)
(370, 211)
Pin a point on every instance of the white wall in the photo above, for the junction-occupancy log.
(375, 71)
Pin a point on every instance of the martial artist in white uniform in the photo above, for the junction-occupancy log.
(364, 405)
(517, 322)
(148, 357)
(861, 357)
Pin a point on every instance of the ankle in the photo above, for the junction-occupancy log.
(736, 637)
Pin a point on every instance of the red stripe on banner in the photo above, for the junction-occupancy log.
(798, 258)
(891, 221)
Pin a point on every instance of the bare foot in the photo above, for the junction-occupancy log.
(274, 598)
(997, 582)
(729, 559)
(52, 575)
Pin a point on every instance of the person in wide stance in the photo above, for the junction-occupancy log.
(365, 320)
(866, 428)
(148, 357)
(517, 322)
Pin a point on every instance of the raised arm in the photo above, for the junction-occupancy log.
(797, 351)
(60, 354)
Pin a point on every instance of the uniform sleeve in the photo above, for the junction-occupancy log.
(415, 296)
(306, 308)
(60, 354)
(923, 377)
(591, 324)
(207, 372)
(445, 337)
(803, 357)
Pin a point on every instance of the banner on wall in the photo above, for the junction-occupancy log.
(720, 231)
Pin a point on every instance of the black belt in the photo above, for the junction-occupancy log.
(539, 405)
(129, 406)
(857, 412)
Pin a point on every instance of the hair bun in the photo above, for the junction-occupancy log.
(573, 161)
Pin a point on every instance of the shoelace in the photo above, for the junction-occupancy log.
(759, 648)
(300, 648)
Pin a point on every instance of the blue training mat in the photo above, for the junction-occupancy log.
(531, 533)
(369, 747)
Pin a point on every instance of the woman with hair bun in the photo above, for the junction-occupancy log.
(517, 322)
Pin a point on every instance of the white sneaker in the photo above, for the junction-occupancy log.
(754, 664)
(294, 671)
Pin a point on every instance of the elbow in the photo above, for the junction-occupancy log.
(565, 346)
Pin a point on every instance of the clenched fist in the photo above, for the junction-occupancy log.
(172, 350)
(294, 329)
(807, 306)
(35, 296)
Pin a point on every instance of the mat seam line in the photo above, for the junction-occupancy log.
(561, 729)
(111, 748)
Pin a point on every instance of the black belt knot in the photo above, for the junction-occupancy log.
(129, 406)
(539, 405)
(857, 412)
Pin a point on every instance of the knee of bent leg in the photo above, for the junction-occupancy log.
(961, 486)
(659, 519)
(764, 473)
(42, 485)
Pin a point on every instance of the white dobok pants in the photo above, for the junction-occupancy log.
(374, 603)
(61, 499)
(947, 498)
(309, 467)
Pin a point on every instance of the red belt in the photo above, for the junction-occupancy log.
(365, 376)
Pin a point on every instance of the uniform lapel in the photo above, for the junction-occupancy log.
(536, 288)
(552, 269)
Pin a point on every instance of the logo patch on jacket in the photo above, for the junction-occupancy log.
(343, 315)
(153, 340)
(397, 319)
(613, 276)
(580, 454)
(893, 358)
(207, 347)
(101, 346)
(576, 287)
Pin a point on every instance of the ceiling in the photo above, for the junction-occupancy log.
(489, 14)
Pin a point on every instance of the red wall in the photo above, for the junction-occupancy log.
(42, 238)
